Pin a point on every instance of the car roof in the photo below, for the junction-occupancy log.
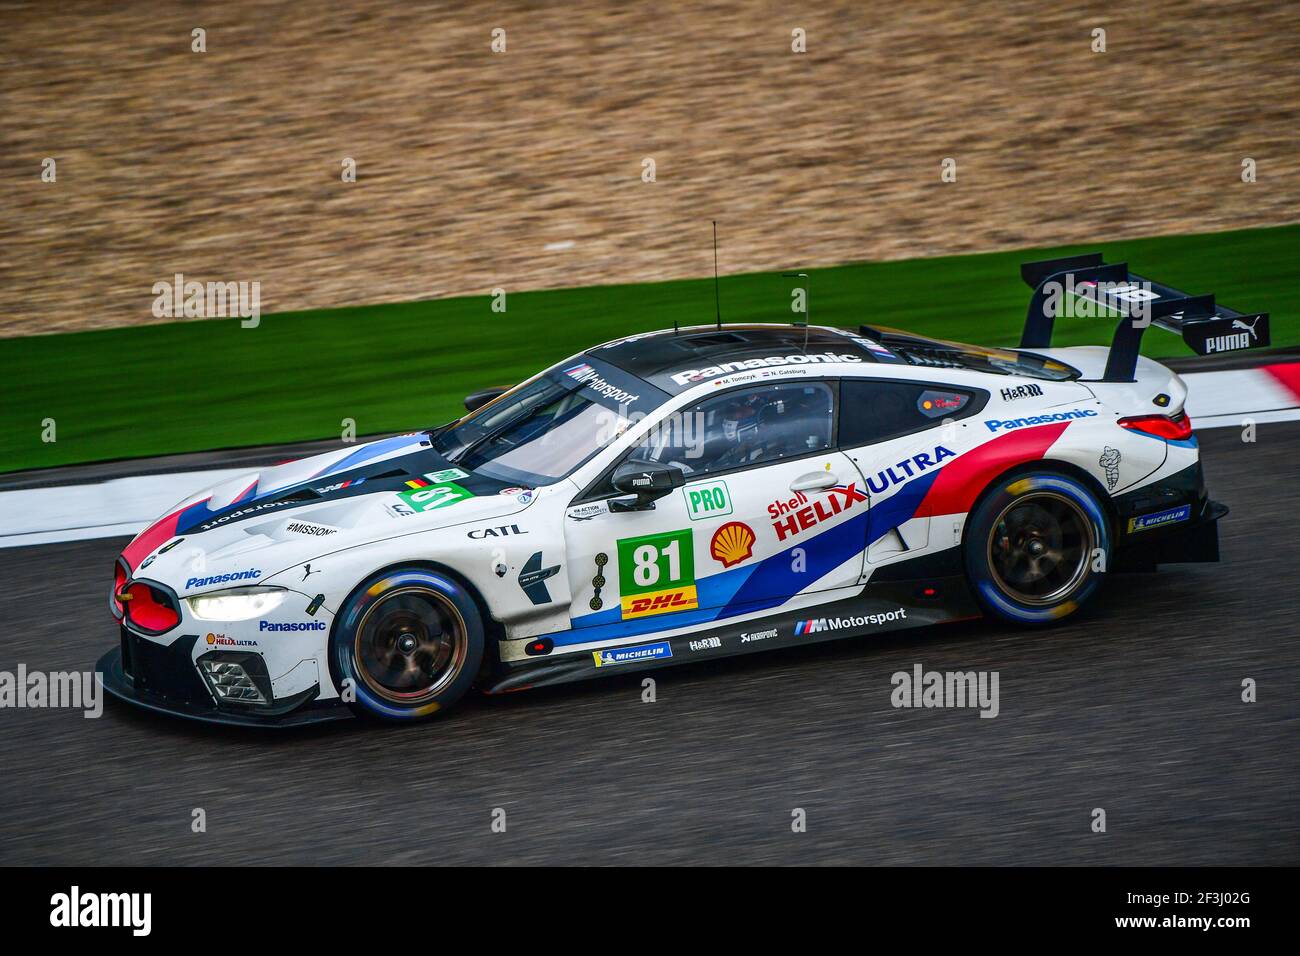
(659, 356)
(676, 360)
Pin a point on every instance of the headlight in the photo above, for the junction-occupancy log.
(236, 604)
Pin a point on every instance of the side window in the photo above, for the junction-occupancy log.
(744, 428)
(873, 411)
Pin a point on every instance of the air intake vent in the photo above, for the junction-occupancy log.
(302, 494)
(308, 494)
(712, 340)
(932, 358)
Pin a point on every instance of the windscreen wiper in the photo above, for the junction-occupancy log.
(487, 436)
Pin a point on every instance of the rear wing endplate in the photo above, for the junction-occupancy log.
(1137, 303)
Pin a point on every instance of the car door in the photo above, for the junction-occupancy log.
(899, 434)
(769, 509)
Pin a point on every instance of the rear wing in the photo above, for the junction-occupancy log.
(1137, 303)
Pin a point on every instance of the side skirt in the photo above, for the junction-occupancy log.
(881, 607)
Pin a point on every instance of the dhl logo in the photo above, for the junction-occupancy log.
(661, 602)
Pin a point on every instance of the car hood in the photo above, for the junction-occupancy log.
(249, 528)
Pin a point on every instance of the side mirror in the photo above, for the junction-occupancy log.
(476, 400)
(648, 481)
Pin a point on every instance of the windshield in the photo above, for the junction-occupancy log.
(542, 431)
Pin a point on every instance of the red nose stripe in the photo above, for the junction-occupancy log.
(245, 493)
(149, 539)
(960, 482)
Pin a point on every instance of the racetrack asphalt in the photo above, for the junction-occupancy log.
(1134, 706)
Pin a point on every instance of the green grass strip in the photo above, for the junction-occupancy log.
(190, 386)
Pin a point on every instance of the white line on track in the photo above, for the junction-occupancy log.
(121, 506)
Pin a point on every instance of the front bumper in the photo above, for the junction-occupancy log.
(164, 679)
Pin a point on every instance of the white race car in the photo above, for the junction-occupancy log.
(682, 495)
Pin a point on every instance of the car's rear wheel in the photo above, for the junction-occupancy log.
(408, 644)
(1036, 547)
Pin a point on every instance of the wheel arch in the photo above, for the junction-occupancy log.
(1060, 466)
(1006, 607)
(493, 630)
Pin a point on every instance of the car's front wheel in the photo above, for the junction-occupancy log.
(1036, 547)
(408, 644)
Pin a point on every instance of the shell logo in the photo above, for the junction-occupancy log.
(732, 543)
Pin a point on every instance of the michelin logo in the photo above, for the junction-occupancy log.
(1009, 423)
(630, 655)
(1159, 519)
(248, 575)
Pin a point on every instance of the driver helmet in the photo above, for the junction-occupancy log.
(740, 423)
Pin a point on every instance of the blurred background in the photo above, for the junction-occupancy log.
(470, 163)
(507, 148)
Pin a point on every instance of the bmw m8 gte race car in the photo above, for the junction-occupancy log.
(682, 495)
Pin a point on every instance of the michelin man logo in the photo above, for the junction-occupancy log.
(1110, 461)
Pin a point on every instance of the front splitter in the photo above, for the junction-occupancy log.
(120, 686)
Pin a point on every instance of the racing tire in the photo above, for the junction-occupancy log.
(1035, 547)
(410, 641)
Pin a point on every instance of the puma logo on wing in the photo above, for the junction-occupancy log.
(1239, 324)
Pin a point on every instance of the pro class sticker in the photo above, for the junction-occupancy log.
(1159, 519)
(707, 500)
